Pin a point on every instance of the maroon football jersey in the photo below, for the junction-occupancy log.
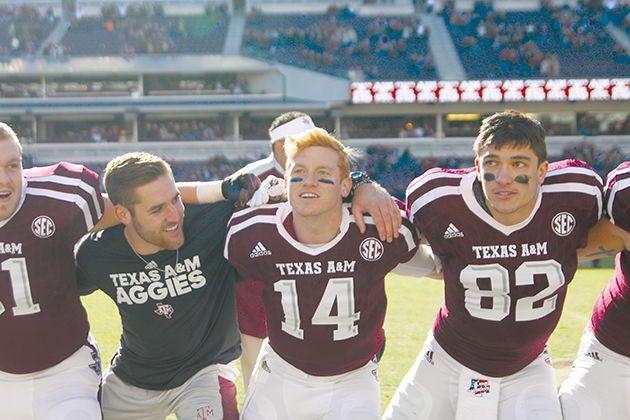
(504, 285)
(611, 315)
(42, 321)
(325, 304)
(249, 302)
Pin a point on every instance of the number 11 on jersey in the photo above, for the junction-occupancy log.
(18, 275)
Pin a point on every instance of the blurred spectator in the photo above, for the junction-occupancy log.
(530, 44)
(550, 66)
(368, 48)
(184, 130)
(138, 27)
(603, 161)
(25, 27)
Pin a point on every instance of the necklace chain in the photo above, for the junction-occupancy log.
(148, 264)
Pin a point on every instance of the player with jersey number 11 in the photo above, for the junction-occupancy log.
(49, 365)
(324, 290)
(507, 232)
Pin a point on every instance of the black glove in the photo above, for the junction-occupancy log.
(239, 188)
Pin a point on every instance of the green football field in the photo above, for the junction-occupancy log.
(411, 310)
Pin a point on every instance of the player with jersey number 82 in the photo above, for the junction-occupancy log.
(507, 232)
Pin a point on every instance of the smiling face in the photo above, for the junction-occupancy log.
(315, 183)
(511, 178)
(11, 177)
(155, 221)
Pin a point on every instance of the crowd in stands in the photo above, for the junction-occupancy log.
(140, 27)
(255, 128)
(602, 160)
(186, 130)
(589, 125)
(391, 167)
(80, 132)
(24, 130)
(387, 127)
(191, 85)
(23, 28)
(554, 41)
(217, 167)
(79, 86)
(143, 28)
(20, 89)
(70, 88)
(340, 42)
(395, 168)
(551, 42)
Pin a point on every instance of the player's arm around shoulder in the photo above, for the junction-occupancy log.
(424, 263)
(611, 234)
(85, 252)
(604, 240)
(371, 198)
(238, 188)
(419, 260)
(76, 184)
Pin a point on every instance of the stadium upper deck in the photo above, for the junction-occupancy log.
(174, 70)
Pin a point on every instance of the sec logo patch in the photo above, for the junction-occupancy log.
(371, 249)
(563, 223)
(43, 227)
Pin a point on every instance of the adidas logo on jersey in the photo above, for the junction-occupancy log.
(452, 232)
(259, 251)
(151, 265)
(593, 355)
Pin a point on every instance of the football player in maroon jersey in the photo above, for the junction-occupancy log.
(323, 289)
(251, 313)
(507, 233)
(49, 366)
(597, 386)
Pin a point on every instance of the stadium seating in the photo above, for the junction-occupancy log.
(343, 44)
(548, 43)
(23, 28)
(142, 30)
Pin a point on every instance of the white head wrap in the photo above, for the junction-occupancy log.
(293, 127)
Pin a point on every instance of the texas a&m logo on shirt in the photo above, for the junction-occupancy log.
(164, 310)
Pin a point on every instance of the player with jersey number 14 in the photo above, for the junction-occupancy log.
(324, 290)
(507, 232)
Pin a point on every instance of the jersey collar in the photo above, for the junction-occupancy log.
(468, 195)
(285, 210)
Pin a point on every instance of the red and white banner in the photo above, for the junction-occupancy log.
(472, 91)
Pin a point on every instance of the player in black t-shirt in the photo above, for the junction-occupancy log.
(175, 294)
